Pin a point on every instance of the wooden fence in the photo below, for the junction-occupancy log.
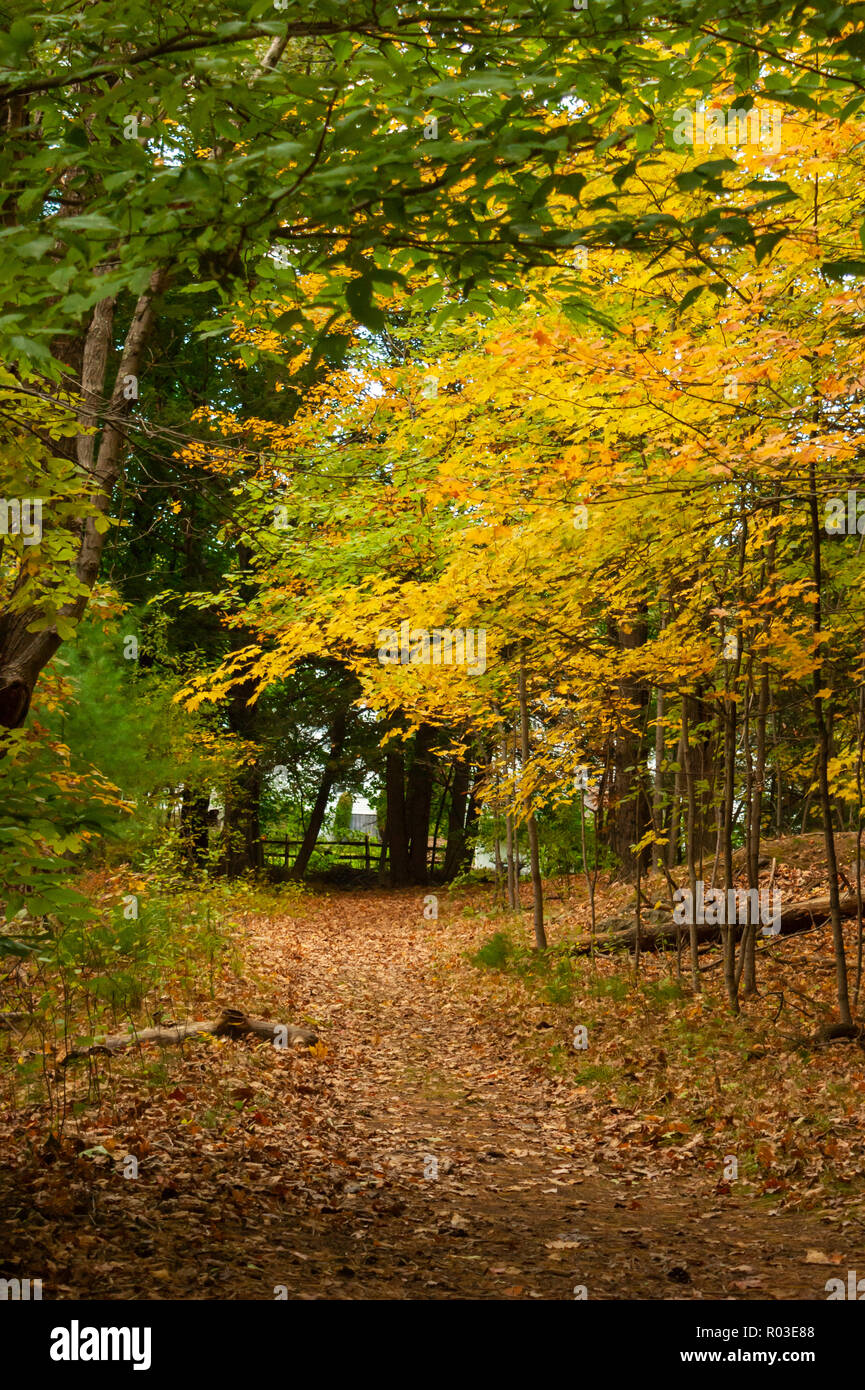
(285, 851)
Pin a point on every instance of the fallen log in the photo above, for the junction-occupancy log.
(807, 914)
(794, 919)
(231, 1023)
(829, 1033)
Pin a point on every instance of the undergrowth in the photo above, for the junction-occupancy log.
(144, 950)
(687, 1079)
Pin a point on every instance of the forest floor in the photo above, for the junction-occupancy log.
(444, 1139)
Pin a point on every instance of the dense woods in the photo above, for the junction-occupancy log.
(431, 515)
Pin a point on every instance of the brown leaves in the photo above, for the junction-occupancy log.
(427, 1148)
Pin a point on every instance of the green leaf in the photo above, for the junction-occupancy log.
(358, 295)
(847, 265)
(201, 288)
(36, 248)
(87, 222)
(29, 347)
(766, 244)
(693, 294)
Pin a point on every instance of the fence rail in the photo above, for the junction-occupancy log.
(280, 851)
(284, 852)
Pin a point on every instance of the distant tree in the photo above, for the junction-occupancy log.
(342, 815)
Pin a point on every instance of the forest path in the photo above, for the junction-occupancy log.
(526, 1200)
(418, 1152)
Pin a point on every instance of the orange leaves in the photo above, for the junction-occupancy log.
(551, 480)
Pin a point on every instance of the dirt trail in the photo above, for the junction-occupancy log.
(511, 1212)
(428, 1158)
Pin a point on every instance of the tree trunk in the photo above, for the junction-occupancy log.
(730, 981)
(329, 776)
(419, 803)
(473, 816)
(531, 825)
(396, 834)
(675, 836)
(193, 825)
(692, 870)
(241, 826)
(24, 654)
(823, 760)
(456, 839)
(658, 796)
(630, 812)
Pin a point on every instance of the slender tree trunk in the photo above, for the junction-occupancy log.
(497, 855)
(658, 796)
(777, 774)
(395, 828)
(438, 820)
(590, 877)
(531, 824)
(473, 812)
(860, 746)
(823, 758)
(729, 936)
(24, 654)
(382, 858)
(456, 837)
(512, 848)
(747, 967)
(193, 825)
(329, 776)
(629, 811)
(419, 803)
(638, 922)
(513, 903)
(674, 841)
(241, 824)
(691, 823)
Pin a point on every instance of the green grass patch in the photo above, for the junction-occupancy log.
(495, 954)
(662, 993)
(594, 1076)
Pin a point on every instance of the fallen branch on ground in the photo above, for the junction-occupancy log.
(231, 1023)
(829, 1033)
(796, 918)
